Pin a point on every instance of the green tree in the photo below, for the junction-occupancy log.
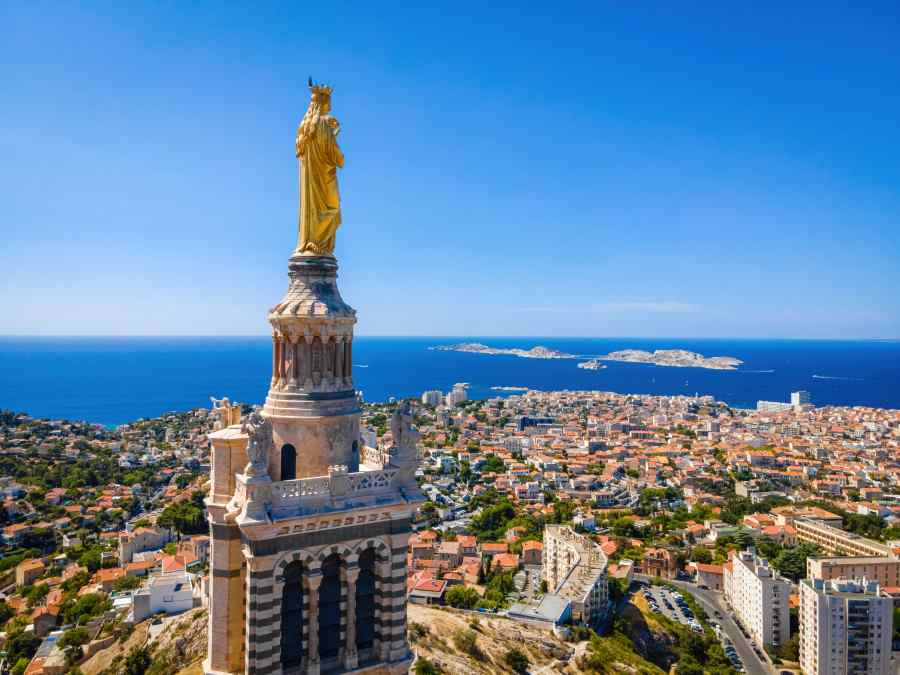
(516, 660)
(138, 661)
(790, 650)
(466, 641)
(791, 562)
(127, 583)
(72, 641)
(187, 517)
(85, 607)
(493, 464)
(425, 667)
(491, 523)
(462, 597)
(701, 554)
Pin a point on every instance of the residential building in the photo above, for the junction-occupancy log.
(799, 398)
(772, 406)
(165, 593)
(658, 562)
(457, 395)
(574, 568)
(759, 598)
(845, 628)
(836, 541)
(434, 397)
(142, 539)
(884, 571)
(27, 571)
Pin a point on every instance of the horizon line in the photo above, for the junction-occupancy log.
(124, 336)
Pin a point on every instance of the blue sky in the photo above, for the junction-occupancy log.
(608, 169)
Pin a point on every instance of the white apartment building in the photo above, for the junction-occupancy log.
(759, 598)
(799, 398)
(772, 406)
(575, 568)
(458, 394)
(845, 628)
(168, 593)
(434, 397)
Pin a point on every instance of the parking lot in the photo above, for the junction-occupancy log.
(672, 605)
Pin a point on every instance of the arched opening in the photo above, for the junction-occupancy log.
(365, 601)
(288, 462)
(292, 616)
(330, 608)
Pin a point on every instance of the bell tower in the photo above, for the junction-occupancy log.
(309, 528)
(312, 404)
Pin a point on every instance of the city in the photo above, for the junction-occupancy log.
(558, 221)
(770, 539)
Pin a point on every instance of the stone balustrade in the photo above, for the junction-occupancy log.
(295, 493)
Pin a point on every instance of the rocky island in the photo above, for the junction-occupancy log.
(675, 358)
(593, 364)
(537, 352)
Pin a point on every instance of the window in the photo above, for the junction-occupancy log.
(288, 462)
(330, 607)
(292, 616)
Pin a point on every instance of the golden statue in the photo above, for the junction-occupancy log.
(320, 157)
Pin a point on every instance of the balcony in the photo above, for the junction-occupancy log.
(336, 486)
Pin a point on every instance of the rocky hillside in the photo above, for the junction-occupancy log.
(178, 645)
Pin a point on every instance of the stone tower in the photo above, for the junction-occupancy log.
(309, 528)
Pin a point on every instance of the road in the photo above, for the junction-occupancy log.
(712, 603)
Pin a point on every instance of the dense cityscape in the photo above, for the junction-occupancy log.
(676, 198)
(650, 530)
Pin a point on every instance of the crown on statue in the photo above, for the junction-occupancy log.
(320, 92)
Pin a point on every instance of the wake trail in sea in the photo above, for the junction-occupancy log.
(742, 370)
(837, 377)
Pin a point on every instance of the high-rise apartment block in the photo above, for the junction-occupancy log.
(845, 628)
(434, 397)
(458, 394)
(799, 398)
(759, 598)
(575, 569)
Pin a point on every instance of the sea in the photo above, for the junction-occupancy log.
(115, 380)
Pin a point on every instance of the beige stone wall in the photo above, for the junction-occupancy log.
(319, 442)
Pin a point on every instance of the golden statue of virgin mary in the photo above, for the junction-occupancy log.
(320, 157)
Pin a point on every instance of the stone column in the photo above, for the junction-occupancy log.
(292, 361)
(281, 378)
(383, 609)
(306, 376)
(339, 359)
(313, 581)
(394, 645)
(276, 359)
(351, 658)
(226, 599)
(316, 361)
(349, 359)
(327, 358)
